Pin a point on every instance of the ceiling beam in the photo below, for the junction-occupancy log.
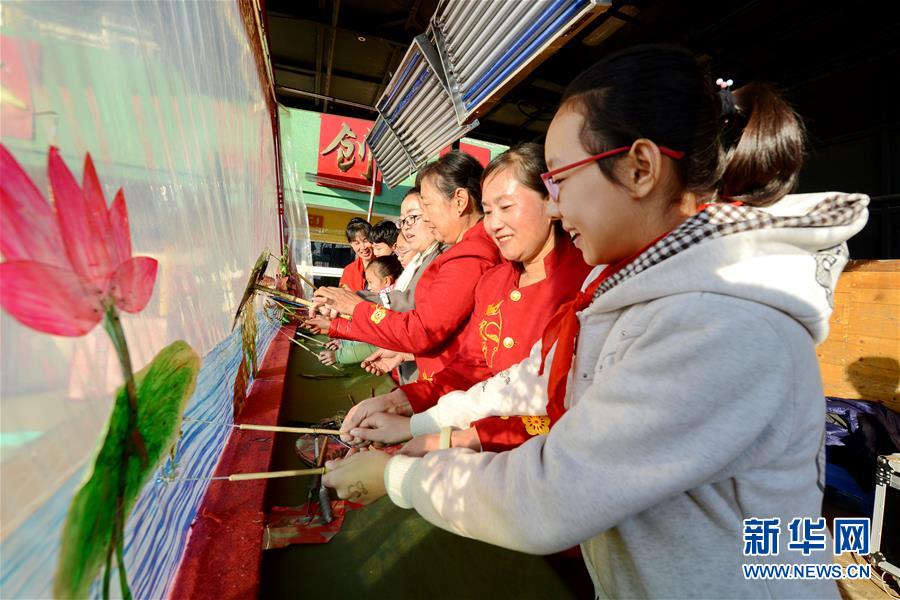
(412, 20)
(280, 64)
(294, 92)
(320, 50)
(334, 21)
(335, 29)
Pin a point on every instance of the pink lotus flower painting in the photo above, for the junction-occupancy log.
(65, 264)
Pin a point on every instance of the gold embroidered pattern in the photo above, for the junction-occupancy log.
(537, 425)
(489, 329)
(426, 377)
(378, 315)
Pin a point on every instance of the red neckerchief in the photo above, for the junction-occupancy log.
(562, 330)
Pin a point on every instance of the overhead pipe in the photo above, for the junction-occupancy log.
(430, 99)
(392, 148)
(409, 61)
(447, 12)
(420, 126)
(500, 15)
(464, 22)
(391, 157)
(547, 24)
(334, 22)
(416, 86)
(479, 13)
(468, 52)
(295, 92)
(523, 16)
(417, 145)
(485, 57)
(512, 65)
(427, 144)
(388, 106)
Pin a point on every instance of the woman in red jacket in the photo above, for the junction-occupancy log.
(513, 302)
(445, 295)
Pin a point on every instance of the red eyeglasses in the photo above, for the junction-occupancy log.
(553, 187)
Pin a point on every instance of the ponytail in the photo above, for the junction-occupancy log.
(745, 146)
(764, 141)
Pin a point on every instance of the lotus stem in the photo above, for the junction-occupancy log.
(113, 326)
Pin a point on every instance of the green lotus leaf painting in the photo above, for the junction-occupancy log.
(163, 389)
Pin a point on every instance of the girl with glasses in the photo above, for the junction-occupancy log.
(682, 383)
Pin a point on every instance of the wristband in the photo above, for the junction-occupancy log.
(445, 437)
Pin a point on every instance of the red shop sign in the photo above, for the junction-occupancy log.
(343, 154)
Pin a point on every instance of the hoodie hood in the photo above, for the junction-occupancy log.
(787, 256)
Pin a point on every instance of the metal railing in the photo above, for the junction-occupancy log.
(470, 53)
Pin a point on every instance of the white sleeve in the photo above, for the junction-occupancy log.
(679, 396)
(518, 390)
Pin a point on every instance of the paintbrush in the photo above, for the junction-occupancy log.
(319, 471)
(289, 299)
(312, 339)
(311, 430)
(307, 281)
(308, 349)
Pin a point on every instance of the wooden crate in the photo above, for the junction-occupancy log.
(861, 357)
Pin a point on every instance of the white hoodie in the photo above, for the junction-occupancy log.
(694, 402)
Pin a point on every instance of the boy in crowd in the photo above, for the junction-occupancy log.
(384, 238)
(359, 234)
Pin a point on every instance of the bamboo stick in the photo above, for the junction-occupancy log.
(283, 295)
(312, 339)
(289, 298)
(276, 474)
(261, 475)
(307, 281)
(313, 430)
(308, 349)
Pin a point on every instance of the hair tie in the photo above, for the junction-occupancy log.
(729, 105)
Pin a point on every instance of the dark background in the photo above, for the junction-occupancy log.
(838, 64)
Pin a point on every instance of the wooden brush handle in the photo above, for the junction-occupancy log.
(313, 430)
(275, 474)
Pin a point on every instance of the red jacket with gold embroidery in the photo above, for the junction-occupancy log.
(354, 276)
(507, 322)
(445, 297)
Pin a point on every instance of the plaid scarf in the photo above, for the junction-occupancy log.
(710, 222)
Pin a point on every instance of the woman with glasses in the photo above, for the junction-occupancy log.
(450, 197)
(422, 250)
(682, 383)
(513, 302)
